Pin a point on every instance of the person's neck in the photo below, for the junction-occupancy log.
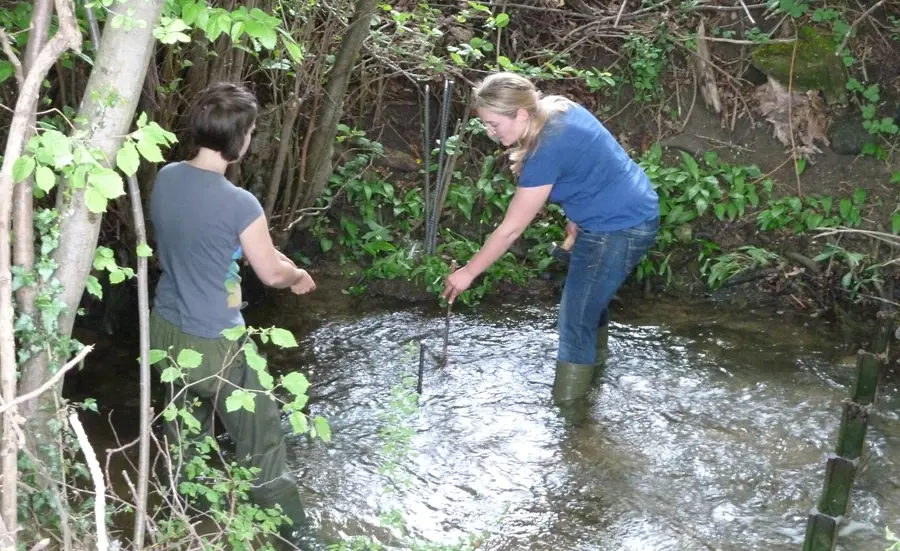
(207, 159)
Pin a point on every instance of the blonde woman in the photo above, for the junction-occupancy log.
(561, 152)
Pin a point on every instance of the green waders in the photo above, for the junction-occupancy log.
(573, 382)
(258, 439)
(602, 352)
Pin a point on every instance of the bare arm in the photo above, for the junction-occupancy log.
(270, 266)
(525, 205)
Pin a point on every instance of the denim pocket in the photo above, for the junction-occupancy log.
(644, 230)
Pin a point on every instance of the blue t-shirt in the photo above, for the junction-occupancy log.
(598, 185)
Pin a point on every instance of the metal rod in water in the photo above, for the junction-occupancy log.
(453, 268)
(421, 367)
(445, 115)
(426, 146)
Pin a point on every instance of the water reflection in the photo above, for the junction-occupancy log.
(709, 432)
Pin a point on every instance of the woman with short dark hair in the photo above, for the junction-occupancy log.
(204, 225)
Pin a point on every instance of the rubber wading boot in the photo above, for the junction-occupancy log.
(299, 534)
(571, 386)
(602, 353)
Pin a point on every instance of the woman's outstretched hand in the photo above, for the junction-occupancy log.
(456, 284)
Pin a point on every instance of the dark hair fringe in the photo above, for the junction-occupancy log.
(220, 118)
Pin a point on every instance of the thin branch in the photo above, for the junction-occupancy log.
(855, 24)
(17, 65)
(747, 11)
(621, 11)
(99, 482)
(140, 231)
(50, 382)
(791, 117)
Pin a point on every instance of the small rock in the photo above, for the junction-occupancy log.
(398, 160)
(684, 234)
(848, 136)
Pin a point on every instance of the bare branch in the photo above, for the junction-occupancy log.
(855, 24)
(50, 382)
(17, 65)
(99, 482)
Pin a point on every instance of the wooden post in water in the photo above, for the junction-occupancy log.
(840, 470)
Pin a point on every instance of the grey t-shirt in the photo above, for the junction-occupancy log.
(198, 216)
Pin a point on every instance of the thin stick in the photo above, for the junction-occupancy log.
(791, 117)
(621, 11)
(99, 483)
(453, 268)
(855, 24)
(17, 65)
(144, 331)
(747, 11)
(50, 382)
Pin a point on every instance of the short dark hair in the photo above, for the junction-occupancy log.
(221, 116)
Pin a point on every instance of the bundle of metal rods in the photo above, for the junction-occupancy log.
(433, 197)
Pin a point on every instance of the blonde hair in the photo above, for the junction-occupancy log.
(506, 93)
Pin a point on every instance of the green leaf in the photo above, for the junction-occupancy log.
(895, 223)
(170, 374)
(844, 207)
(501, 20)
(189, 420)
(189, 358)
(127, 159)
(299, 422)
(23, 167)
(295, 383)
(150, 151)
(241, 399)
(94, 200)
(234, 333)
(107, 182)
(144, 250)
(283, 338)
(6, 70)
(44, 178)
(847, 280)
(322, 428)
(170, 413)
(293, 50)
(265, 379)
(268, 38)
(157, 356)
(254, 360)
(94, 287)
(116, 276)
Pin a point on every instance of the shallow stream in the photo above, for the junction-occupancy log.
(710, 430)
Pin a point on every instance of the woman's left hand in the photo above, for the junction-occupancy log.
(456, 284)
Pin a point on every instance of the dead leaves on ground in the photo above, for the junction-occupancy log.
(806, 112)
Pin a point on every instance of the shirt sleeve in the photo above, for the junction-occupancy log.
(541, 168)
(247, 209)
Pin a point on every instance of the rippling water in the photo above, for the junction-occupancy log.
(710, 430)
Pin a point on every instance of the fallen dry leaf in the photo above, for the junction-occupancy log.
(808, 116)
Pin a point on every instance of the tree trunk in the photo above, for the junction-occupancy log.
(321, 149)
(67, 37)
(23, 199)
(108, 107)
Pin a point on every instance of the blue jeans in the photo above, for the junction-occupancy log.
(599, 264)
